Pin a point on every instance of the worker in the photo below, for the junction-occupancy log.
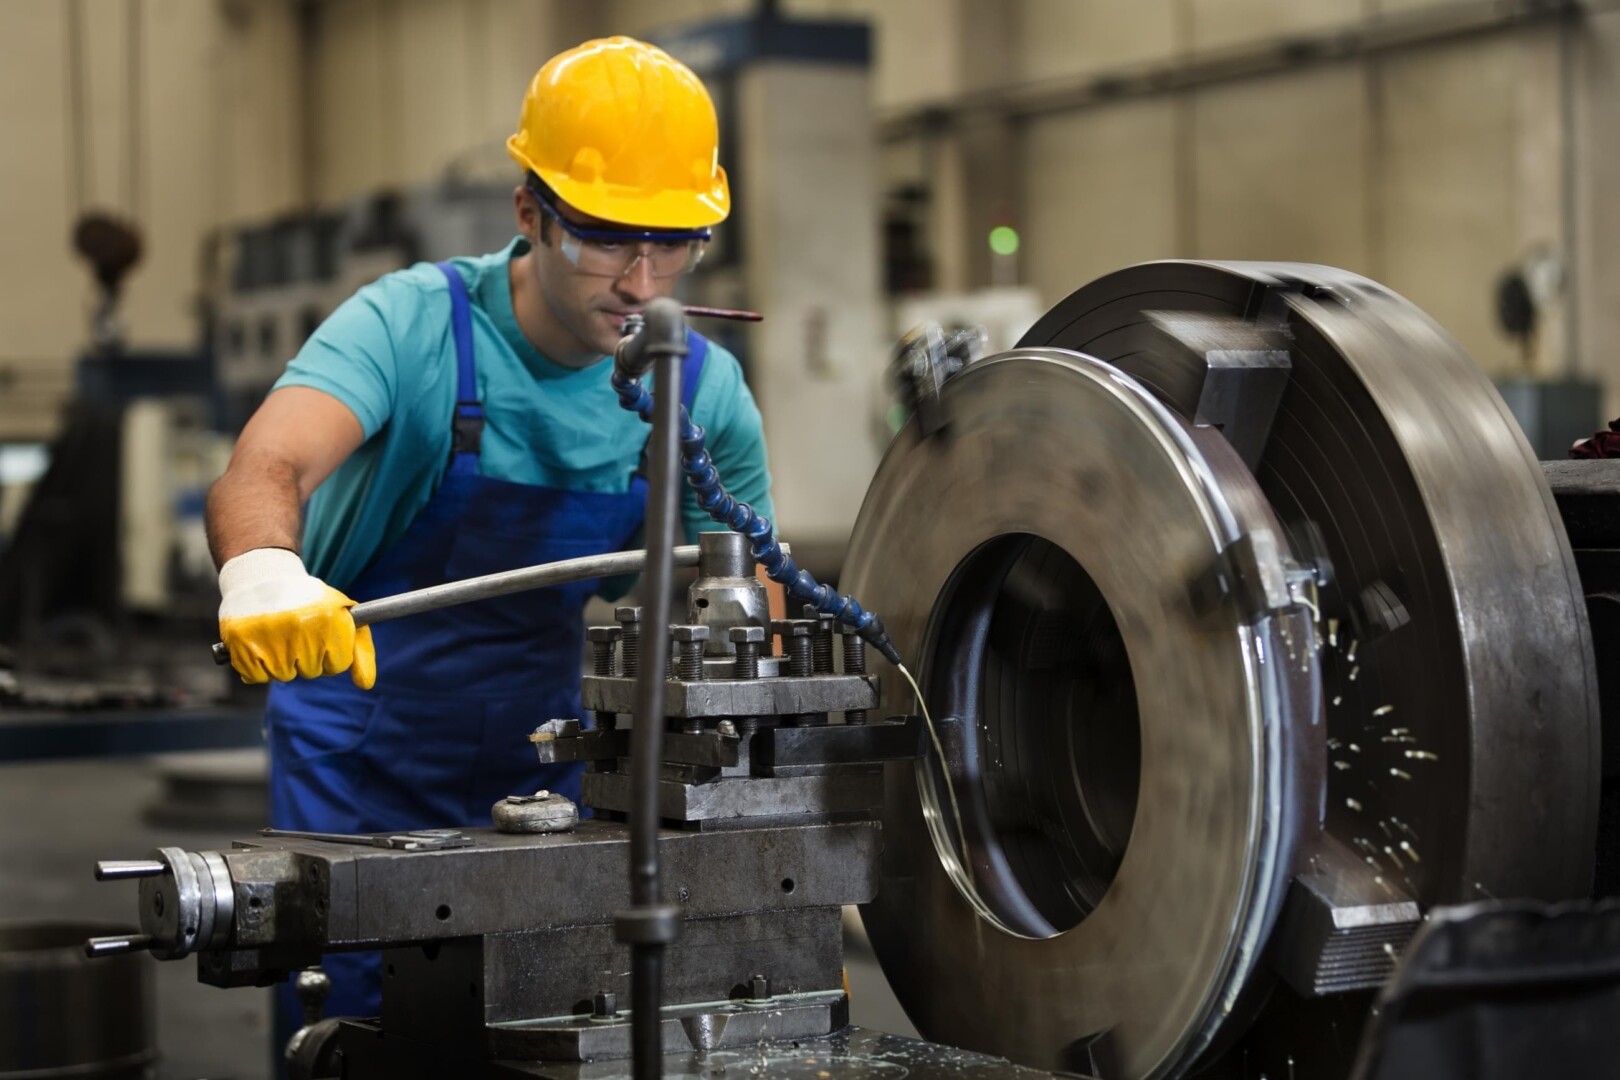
(456, 419)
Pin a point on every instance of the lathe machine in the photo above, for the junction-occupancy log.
(1251, 636)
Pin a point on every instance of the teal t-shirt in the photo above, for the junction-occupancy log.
(387, 353)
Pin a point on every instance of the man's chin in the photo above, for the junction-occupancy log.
(607, 330)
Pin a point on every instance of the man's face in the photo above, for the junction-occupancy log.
(592, 307)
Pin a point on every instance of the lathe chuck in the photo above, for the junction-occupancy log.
(1251, 631)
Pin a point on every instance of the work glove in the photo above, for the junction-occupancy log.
(279, 622)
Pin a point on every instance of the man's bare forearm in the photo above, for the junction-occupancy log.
(288, 447)
(255, 504)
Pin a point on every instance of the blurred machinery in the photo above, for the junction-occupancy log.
(1263, 691)
(109, 546)
(1554, 410)
(111, 531)
(271, 285)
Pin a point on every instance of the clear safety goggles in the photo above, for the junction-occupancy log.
(613, 253)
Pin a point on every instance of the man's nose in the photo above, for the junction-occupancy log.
(637, 283)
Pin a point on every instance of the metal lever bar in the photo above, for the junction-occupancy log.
(327, 837)
(415, 840)
(117, 945)
(504, 583)
(119, 869)
(724, 313)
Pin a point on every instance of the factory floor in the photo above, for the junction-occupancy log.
(57, 819)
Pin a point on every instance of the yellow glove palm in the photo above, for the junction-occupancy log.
(280, 623)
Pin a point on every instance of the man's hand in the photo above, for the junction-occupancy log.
(279, 622)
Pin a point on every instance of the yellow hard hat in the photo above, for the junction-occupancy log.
(625, 132)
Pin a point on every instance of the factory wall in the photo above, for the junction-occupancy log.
(1405, 170)
(1597, 210)
(1430, 168)
(411, 89)
(178, 113)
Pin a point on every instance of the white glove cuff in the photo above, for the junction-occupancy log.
(258, 567)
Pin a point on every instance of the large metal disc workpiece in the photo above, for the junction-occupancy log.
(1234, 590)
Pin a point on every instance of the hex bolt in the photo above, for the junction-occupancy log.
(630, 620)
(604, 645)
(854, 650)
(726, 729)
(821, 640)
(795, 635)
(747, 639)
(854, 664)
(759, 988)
(313, 986)
(604, 640)
(605, 1006)
(689, 640)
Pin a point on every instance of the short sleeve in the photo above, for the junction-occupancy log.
(351, 356)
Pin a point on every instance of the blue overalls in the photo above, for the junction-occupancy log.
(444, 733)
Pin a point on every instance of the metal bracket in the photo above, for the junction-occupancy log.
(783, 748)
(1251, 572)
(563, 740)
(1218, 371)
(926, 358)
(415, 840)
(1381, 611)
(1343, 925)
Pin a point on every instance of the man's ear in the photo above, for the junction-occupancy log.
(530, 221)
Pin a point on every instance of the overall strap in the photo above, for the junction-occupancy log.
(697, 350)
(467, 427)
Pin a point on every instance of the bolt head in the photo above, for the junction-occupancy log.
(313, 982)
(741, 634)
(689, 633)
(606, 1003)
(627, 614)
(791, 627)
(604, 633)
(759, 988)
(726, 729)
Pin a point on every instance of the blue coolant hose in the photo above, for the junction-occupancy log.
(704, 479)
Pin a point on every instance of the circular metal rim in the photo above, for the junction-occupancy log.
(1512, 591)
(219, 896)
(1211, 484)
(172, 936)
(1043, 880)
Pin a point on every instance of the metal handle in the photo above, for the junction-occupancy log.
(504, 583)
(117, 945)
(492, 585)
(119, 869)
(723, 313)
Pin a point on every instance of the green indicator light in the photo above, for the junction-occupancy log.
(1004, 240)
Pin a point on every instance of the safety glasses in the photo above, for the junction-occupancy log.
(614, 253)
